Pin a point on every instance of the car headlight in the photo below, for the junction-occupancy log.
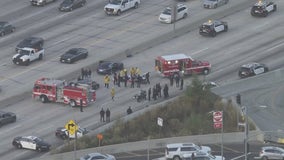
(68, 59)
(24, 60)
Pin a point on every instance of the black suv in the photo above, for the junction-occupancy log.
(69, 5)
(31, 42)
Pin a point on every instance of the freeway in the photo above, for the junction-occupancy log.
(248, 39)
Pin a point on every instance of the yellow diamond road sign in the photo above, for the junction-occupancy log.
(71, 127)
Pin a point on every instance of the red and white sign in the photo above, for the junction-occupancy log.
(217, 116)
(218, 119)
(218, 125)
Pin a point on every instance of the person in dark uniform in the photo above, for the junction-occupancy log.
(129, 110)
(166, 91)
(181, 84)
(102, 113)
(171, 80)
(107, 115)
(147, 76)
(177, 78)
(81, 105)
(149, 94)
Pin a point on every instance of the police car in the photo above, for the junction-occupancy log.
(31, 142)
(263, 8)
(252, 69)
(212, 27)
(62, 133)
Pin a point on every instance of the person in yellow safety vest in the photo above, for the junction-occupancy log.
(106, 80)
(112, 92)
(132, 71)
(137, 71)
(121, 73)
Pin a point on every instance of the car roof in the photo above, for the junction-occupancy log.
(96, 154)
(175, 57)
(271, 147)
(31, 137)
(174, 145)
(249, 65)
(3, 22)
(260, 3)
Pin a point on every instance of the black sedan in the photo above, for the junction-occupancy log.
(69, 5)
(31, 42)
(6, 28)
(7, 117)
(108, 67)
(252, 69)
(73, 55)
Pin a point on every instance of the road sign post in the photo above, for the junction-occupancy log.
(218, 123)
(72, 128)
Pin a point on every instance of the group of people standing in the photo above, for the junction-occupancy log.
(105, 115)
(178, 81)
(85, 73)
(156, 91)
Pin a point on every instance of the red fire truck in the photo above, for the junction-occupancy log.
(180, 64)
(53, 90)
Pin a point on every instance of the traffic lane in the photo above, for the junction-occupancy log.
(53, 65)
(230, 151)
(265, 106)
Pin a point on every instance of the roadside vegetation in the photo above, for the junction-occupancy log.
(189, 114)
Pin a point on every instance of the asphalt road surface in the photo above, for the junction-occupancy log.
(112, 37)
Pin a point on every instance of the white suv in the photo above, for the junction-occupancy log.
(176, 151)
(166, 15)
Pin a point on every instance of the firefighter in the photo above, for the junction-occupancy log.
(132, 71)
(132, 79)
(106, 80)
(137, 71)
(112, 92)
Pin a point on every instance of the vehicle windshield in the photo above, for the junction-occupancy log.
(86, 157)
(205, 26)
(24, 52)
(72, 51)
(68, 2)
(244, 69)
(2, 24)
(167, 11)
(105, 65)
(116, 2)
(37, 139)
